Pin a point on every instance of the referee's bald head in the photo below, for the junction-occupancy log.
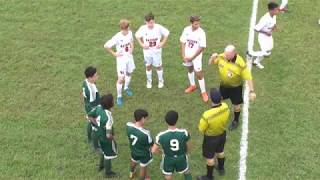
(230, 52)
(230, 48)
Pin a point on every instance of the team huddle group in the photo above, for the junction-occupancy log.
(174, 142)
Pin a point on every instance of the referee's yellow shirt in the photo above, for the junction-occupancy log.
(214, 121)
(232, 73)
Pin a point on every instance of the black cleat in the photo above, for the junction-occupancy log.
(204, 178)
(233, 125)
(221, 172)
(111, 174)
(100, 168)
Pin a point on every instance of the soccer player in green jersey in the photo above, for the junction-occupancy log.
(175, 144)
(91, 98)
(140, 143)
(101, 117)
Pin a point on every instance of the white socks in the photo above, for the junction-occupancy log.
(149, 75)
(127, 80)
(119, 90)
(283, 4)
(160, 75)
(191, 78)
(202, 85)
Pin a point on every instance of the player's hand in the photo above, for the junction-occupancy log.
(212, 58)
(187, 59)
(117, 54)
(145, 47)
(252, 95)
(160, 45)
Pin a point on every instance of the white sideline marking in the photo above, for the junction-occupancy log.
(245, 111)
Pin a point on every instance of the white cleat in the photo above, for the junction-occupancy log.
(149, 84)
(161, 84)
(259, 65)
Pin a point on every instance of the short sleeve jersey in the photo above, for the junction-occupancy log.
(193, 40)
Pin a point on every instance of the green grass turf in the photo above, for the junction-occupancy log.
(45, 46)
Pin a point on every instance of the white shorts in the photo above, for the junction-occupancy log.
(154, 60)
(266, 43)
(125, 65)
(196, 63)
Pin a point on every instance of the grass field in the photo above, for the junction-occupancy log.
(45, 46)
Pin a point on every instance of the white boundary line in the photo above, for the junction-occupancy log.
(245, 111)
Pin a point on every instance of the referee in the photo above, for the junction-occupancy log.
(233, 70)
(213, 124)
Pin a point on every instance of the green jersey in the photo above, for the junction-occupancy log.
(173, 142)
(104, 121)
(91, 95)
(140, 140)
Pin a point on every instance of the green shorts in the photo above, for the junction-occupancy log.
(109, 149)
(171, 164)
(143, 160)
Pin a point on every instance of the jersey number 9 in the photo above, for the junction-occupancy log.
(174, 143)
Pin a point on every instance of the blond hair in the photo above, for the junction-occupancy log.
(124, 24)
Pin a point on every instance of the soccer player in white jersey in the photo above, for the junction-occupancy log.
(193, 43)
(265, 28)
(152, 37)
(123, 41)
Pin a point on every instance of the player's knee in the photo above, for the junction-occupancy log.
(168, 177)
(120, 79)
(159, 68)
(149, 67)
(237, 108)
(210, 162)
(220, 155)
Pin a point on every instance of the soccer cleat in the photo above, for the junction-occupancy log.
(149, 84)
(132, 174)
(233, 125)
(204, 96)
(204, 178)
(111, 174)
(221, 172)
(190, 89)
(161, 84)
(129, 92)
(119, 101)
(259, 65)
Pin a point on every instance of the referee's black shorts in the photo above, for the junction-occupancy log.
(212, 145)
(232, 93)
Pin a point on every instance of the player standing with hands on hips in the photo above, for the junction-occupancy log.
(152, 37)
(233, 70)
(193, 43)
(125, 64)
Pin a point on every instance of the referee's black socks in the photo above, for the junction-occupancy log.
(236, 116)
(221, 163)
(210, 171)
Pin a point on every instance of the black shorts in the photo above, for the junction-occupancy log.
(212, 145)
(232, 93)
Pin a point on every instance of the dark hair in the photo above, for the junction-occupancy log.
(90, 71)
(148, 17)
(171, 118)
(139, 114)
(194, 18)
(107, 101)
(272, 6)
